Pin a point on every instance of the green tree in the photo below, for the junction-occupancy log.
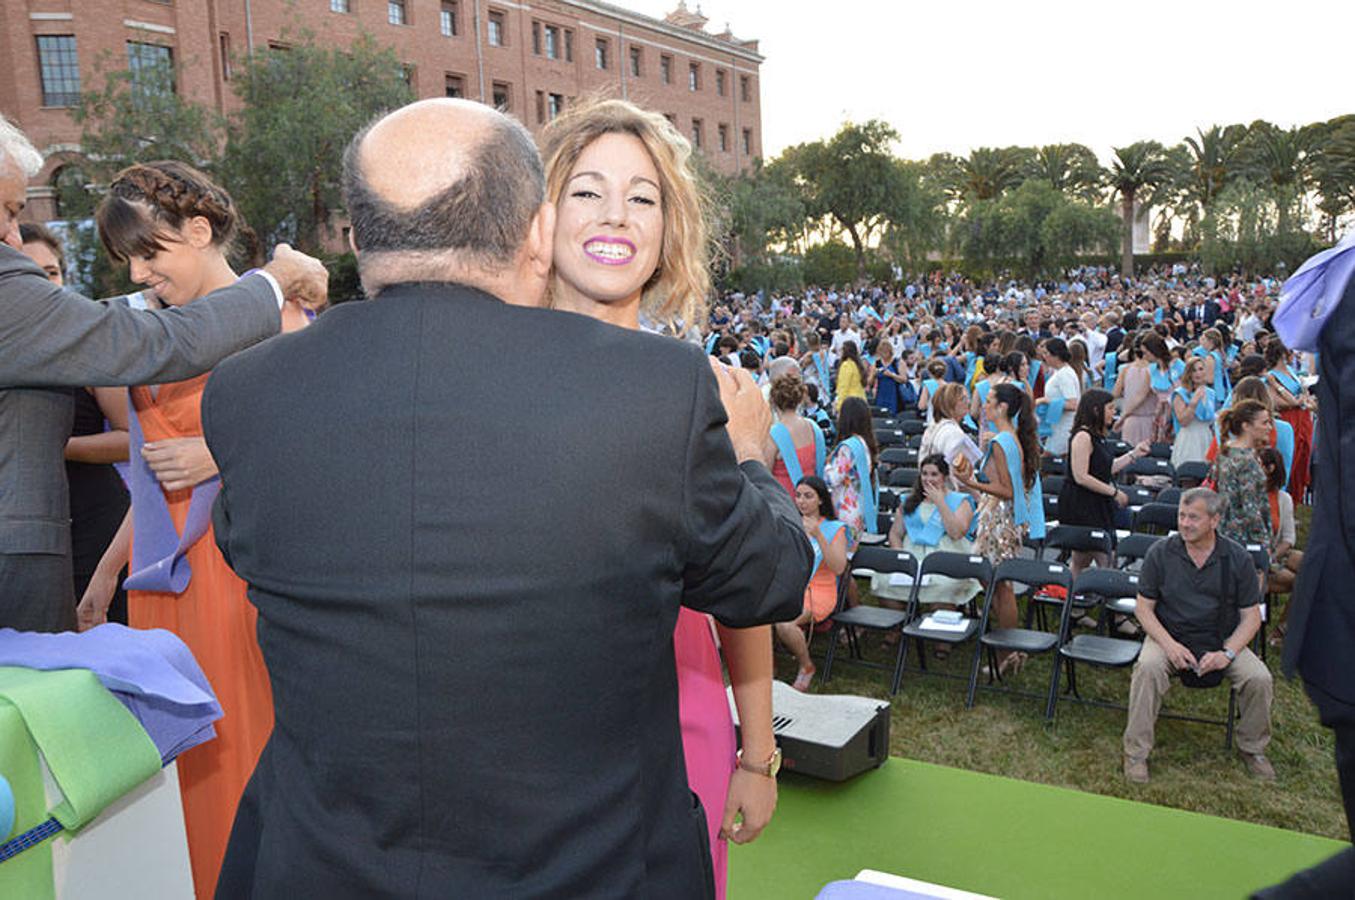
(1036, 226)
(852, 181)
(987, 172)
(917, 217)
(831, 264)
(302, 105)
(1280, 159)
(1134, 172)
(1333, 169)
(766, 211)
(1071, 169)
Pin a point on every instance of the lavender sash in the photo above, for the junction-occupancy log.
(158, 562)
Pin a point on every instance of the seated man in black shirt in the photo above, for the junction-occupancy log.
(1198, 605)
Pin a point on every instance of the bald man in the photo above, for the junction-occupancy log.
(473, 670)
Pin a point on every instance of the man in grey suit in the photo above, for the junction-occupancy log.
(52, 340)
(473, 671)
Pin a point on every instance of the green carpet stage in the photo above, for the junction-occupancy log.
(1009, 839)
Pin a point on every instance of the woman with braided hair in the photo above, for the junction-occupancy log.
(174, 228)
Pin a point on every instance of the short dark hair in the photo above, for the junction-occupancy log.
(484, 214)
(37, 233)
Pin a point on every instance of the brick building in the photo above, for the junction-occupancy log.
(530, 59)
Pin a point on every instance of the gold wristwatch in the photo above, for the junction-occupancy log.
(768, 768)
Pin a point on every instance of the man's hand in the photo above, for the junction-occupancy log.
(753, 796)
(179, 463)
(750, 419)
(1212, 661)
(1179, 656)
(302, 278)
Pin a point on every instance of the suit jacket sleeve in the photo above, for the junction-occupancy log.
(52, 337)
(747, 558)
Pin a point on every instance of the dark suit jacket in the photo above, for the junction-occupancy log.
(1320, 639)
(52, 338)
(472, 655)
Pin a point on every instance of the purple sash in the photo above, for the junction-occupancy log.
(158, 562)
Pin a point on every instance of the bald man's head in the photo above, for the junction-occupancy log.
(438, 182)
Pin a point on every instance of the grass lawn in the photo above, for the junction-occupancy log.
(1007, 735)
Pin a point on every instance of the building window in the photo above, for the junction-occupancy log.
(748, 142)
(745, 88)
(693, 76)
(447, 19)
(503, 96)
(340, 6)
(600, 53)
(225, 41)
(396, 14)
(497, 31)
(720, 82)
(666, 69)
(552, 42)
(151, 67)
(536, 38)
(455, 85)
(60, 69)
(672, 119)
(724, 138)
(555, 104)
(635, 61)
(407, 73)
(696, 133)
(569, 45)
(540, 107)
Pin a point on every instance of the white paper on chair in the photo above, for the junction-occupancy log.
(931, 624)
(903, 579)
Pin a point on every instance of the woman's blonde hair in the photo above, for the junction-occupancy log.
(677, 290)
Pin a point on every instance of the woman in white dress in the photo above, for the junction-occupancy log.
(1193, 409)
(1062, 391)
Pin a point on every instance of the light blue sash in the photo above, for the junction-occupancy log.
(982, 389)
(971, 363)
(925, 349)
(1048, 415)
(1027, 506)
(1112, 368)
(1178, 368)
(1204, 410)
(932, 386)
(1034, 370)
(1158, 314)
(869, 504)
(785, 445)
(158, 560)
(1288, 380)
(830, 528)
(1284, 442)
(1160, 380)
(1221, 385)
(930, 532)
(825, 379)
(710, 342)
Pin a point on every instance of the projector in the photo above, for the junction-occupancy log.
(833, 737)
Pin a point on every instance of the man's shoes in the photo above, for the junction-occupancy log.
(1258, 766)
(1136, 770)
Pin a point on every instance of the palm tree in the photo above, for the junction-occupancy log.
(1212, 161)
(1334, 170)
(1141, 166)
(988, 172)
(1281, 159)
(1070, 168)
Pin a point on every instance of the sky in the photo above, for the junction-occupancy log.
(952, 75)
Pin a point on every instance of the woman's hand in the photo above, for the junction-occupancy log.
(179, 463)
(754, 797)
(811, 522)
(1121, 498)
(93, 608)
(1142, 449)
(935, 495)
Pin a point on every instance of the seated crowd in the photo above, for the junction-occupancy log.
(964, 415)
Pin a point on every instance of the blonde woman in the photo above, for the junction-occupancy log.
(630, 240)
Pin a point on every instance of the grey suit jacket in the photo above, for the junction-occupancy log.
(52, 340)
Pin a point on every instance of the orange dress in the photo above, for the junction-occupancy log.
(216, 621)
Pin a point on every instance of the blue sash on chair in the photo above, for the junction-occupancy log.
(1047, 415)
(869, 503)
(158, 549)
(1027, 506)
(930, 532)
(789, 455)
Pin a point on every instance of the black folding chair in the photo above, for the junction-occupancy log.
(889, 437)
(1138, 494)
(1160, 450)
(903, 477)
(913, 442)
(1171, 496)
(1133, 547)
(913, 426)
(881, 412)
(1035, 574)
(1053, 465)
(1051, 507)
(1094, 587)
(1260, 557)
(1066, 539)
(949, 565)
(1151, 465)
(1051, 484)
(1155, 518)
(870, 561)
(1192, 474)
(893, 457)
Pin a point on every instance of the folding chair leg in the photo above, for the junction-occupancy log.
(832, 651)
(1054, 688)
(974, 673)
(898, 663)
(1232, 714)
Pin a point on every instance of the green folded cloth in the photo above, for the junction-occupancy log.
(95, 749)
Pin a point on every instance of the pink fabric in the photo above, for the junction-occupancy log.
(707, 728)
(807, 456)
